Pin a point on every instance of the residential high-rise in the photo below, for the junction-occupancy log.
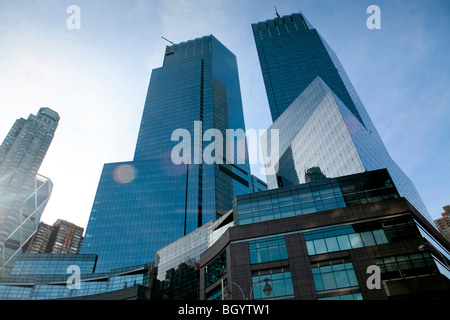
(23, 194)
(443, 224)
(66, 238)
(145, 204)
(320, 119)
(40, 240)
(62, 237)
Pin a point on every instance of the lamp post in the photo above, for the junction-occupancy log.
(422, 248)
(226, 292)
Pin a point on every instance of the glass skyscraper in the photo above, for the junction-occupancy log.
(23, 194)
(321, 120)
(145, 204)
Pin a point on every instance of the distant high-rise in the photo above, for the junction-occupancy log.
(23, 194)
(62, 237)
(147, 203)
(321, 120)
(40, 240)
(443, 224)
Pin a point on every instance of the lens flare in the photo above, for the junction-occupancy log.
(124, 173)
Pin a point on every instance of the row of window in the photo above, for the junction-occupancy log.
(406, 266)
(329, 280)
(334, 277)
(44, 291)
(351, 240)
(265, 250)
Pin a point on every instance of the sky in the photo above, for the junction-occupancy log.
(96, 78)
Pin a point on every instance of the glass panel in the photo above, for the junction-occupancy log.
(342, 280)
(318, 282)
(320, 246)
(380, 236)
(310, 247)
(355, 240)
(329, 282)
(352, 278)
(288, 286)
(253, 256)
(368, 238)
(344, 242)
(274, 253)
(262, 255)
(283, 252)
(332, 244)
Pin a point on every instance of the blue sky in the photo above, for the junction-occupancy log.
(96, 78)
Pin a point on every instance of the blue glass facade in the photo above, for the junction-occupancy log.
(46, 276)
(321, 120)
(314, 197)
(43, 264)
(290, 48)
(145, 204)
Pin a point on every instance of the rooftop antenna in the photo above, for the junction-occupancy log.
(276, 12)
(167, 40)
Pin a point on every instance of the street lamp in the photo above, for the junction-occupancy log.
(226, 292)
(422, 248)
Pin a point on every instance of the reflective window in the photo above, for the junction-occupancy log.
(279, 279)
(308, 198)
(407, 266)
(216, 269)
(342, 238)
(265, 250)
(334, 276)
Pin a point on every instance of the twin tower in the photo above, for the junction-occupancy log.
(144, 204)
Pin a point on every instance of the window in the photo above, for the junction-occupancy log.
(406, 266)
(216, 269)
(280, 280)
(342, 238)
(269, 249)
(334, 276)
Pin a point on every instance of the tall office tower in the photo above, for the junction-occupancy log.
(21, 155)
(62, 237)
(145, 204)
(321, 120)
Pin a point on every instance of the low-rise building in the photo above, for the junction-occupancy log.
(346, 238)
